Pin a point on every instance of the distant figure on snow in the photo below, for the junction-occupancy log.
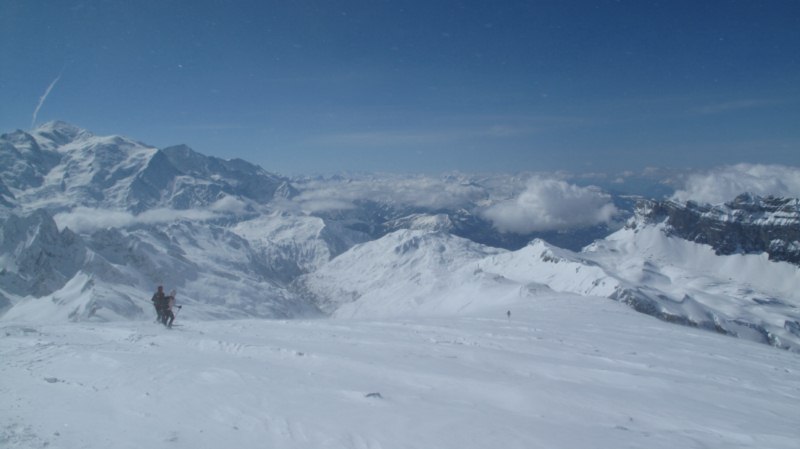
(163, 304)
(159, 300)
(167, 316)
(508, 314)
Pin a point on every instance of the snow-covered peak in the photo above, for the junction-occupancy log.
(560, 269)
(59, 167)
(392, 275)
(291, 245)
(418, 272)
(234, 176)
(95, 171)
(57, 133)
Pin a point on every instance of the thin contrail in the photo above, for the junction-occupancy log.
(43, 98)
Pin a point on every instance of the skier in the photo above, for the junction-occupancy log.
(159, 302)
(167, 316)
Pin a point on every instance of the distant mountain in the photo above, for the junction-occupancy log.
(59, 166)
(111, 273)
(108, 271)
(25, 161)
(377, 219)
(38, 258)
(204, 179)
(407, 272)
(424, 272)
(749, 224)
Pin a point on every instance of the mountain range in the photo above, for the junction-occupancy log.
(89, 225)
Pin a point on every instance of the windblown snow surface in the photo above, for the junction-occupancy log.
(563, 371)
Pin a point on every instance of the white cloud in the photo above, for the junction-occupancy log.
(418, 191)
(86, 219)
(156, 216)
(312, 205)
(551, 204)
(229, 204)
(725, 183)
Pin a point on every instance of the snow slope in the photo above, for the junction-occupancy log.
(295, 244)
(111, 274)
(407, 272)
(564, 371)
(419, 273)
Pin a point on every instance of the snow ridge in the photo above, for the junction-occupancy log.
(419, 273)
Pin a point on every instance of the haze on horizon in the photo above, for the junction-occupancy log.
(411, 86)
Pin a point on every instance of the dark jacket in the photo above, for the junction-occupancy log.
(160, 300)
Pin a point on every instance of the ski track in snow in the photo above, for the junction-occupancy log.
(564, 372)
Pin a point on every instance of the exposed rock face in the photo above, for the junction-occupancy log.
(748, 224)
(38, 258)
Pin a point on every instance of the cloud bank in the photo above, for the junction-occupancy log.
(520, 204)
(726, 183)
(421, 191)
(551, 204)
(86, 219)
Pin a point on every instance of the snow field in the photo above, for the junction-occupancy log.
(563, 372)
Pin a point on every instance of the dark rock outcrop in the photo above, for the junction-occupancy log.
(749, 224)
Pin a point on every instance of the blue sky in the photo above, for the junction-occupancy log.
(417, 86)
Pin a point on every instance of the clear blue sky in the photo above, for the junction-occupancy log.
(417, 86)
